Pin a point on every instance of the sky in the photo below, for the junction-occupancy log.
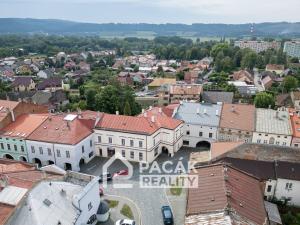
(155, 11)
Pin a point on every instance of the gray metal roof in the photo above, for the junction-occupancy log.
(217, 96)
(273, 122)
(199, 113)
(273, 212)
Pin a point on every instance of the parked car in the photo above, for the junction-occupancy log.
(125, 222)
(167, 215)
(105, 177)
(121, 173)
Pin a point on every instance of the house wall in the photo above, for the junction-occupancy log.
(61, 154)
(14, 147)
(293, 192)
(87, 201)
(265, 138)
(295, 142)
(151, 145)
(226, 134)
(194, 134)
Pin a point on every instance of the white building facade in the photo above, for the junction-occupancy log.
(68, 157)
(141, 141)
(201, 122)
(272, 127)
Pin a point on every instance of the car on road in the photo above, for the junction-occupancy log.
(125, 222)
(105, 177)
(121, 173)
(167, 215)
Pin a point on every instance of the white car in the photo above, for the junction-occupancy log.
(125, 222)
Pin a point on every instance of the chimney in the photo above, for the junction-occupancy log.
(217, 112)
(145, 114)
(180, 102)
(150, 107)
(204, 111)
(117, 112)
(152, 119)
(270, 106)
(97, 119)
(12, 115)
(159, 110)
(277, 114)
(143, 110)
(198, 111)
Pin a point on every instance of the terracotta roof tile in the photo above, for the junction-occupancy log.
(24, 125)
(223, 187)
(58, 130)
(238, 116)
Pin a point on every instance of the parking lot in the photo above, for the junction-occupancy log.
(148, 200)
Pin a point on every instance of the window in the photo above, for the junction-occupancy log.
(131, 143)
(22, 148)
(284, 143)
(269, 188)
(49, 151)
(123, 153)
(99, 139)
(8, 146)
(123, 142)
(2, 146)
(258, 141)
(132, 154)
(91, 143)
(90, 206)
(110, 140)
(265, 142)
(140, 156)
(32, 149)
(67, 154)
(187, 132)
(41, 150)
(58, 152)
(154, 141)
(82, 148)
(288, 186)
(210, 135)
(140, 144)
(277, 142)
(186, 142)
(200, 134)
(91, 154)
(16, 148)
(296, 145)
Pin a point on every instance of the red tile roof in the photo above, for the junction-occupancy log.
(24, 125)
(295, 120)
(223, 188)
(139, 124)
(238, 116)
(58, 130)
(19, 174)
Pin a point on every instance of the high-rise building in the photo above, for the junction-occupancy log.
(257, 46)
(292, 48)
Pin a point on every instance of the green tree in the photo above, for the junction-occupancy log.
(127, 109)
(90, 58)
(90, 99)
(249, 60)
(289, 83)
(264, 100)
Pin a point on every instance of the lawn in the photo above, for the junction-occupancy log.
(112, 203)
(126, 211)
(176, 191)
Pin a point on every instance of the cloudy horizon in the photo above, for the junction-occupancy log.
(154, 11)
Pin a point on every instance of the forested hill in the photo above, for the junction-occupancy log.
(13, 25)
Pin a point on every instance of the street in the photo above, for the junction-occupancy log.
(148, 200)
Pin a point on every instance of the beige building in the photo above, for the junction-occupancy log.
(188, 92)
(237, 123)
(274, 68)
